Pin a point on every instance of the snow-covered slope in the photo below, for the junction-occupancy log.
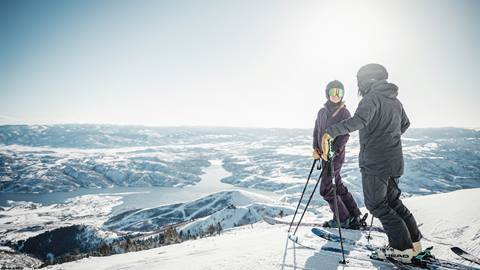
(450, 218)
(223, 206)
(446, 219)
(22, 220)
(25, 169)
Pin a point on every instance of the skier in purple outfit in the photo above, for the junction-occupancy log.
(333, 112)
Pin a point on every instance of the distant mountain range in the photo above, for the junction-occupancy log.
(68, 157)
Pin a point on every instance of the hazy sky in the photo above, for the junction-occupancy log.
(232, 63)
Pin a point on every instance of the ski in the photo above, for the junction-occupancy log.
(424, 260)
(274, 221)
(465, 255)
(322, 248)
(401, 265)
(351, 260)
(335, 238)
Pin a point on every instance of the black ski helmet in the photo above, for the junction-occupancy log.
(333, 84)
(369, 74)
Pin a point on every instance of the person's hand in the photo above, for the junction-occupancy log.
(316, 154)
(326, 146)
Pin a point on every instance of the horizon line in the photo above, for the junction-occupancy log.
(204, 126)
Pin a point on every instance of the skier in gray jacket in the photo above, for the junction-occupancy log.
(381, 120)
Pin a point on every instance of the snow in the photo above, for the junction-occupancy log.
(216, 207)
(453, 219)
(45, 169)
(446, 219)
(22, 220)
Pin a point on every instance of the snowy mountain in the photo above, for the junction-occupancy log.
(450, 219)
(27, 169)
(216, 204)
(69, 157)
(22, 220)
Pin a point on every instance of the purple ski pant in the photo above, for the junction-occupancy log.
(346, 204)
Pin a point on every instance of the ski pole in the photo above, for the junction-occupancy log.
(303, 192)
(332, 174)
(370, 230)
(309, 199)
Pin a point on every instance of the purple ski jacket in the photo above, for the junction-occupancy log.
(327, 116)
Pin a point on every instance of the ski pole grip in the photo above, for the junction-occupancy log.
(331, 151)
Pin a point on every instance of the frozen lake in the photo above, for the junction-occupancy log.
(144, 197)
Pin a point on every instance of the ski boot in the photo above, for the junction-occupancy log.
(349, 223)
(357, 222)
(424, 257)
(386, 252)
(330, 223)
(417, 248)
(333, 223)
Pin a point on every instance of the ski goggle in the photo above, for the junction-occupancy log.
(336, 92)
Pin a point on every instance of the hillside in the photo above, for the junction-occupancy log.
(446, 219)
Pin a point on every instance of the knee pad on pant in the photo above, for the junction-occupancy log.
(326, 192)
(327, 196)
(377, 210)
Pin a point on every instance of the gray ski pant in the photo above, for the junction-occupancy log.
(382, 199)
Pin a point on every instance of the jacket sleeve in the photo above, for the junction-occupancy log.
(405, 121)
(364, 113)
(315, 136)
(340, 141)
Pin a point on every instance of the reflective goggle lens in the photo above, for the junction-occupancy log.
(336, 92)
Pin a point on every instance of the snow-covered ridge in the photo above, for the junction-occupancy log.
(93, 136)
(151, 219)
(28, 169)
(22, 220)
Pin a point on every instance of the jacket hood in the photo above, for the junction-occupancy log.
(385, 89)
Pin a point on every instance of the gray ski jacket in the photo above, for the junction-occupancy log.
(381, 120)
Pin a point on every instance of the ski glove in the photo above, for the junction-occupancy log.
(316, 154)
(326, 146)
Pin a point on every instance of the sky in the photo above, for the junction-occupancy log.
(232, 63)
